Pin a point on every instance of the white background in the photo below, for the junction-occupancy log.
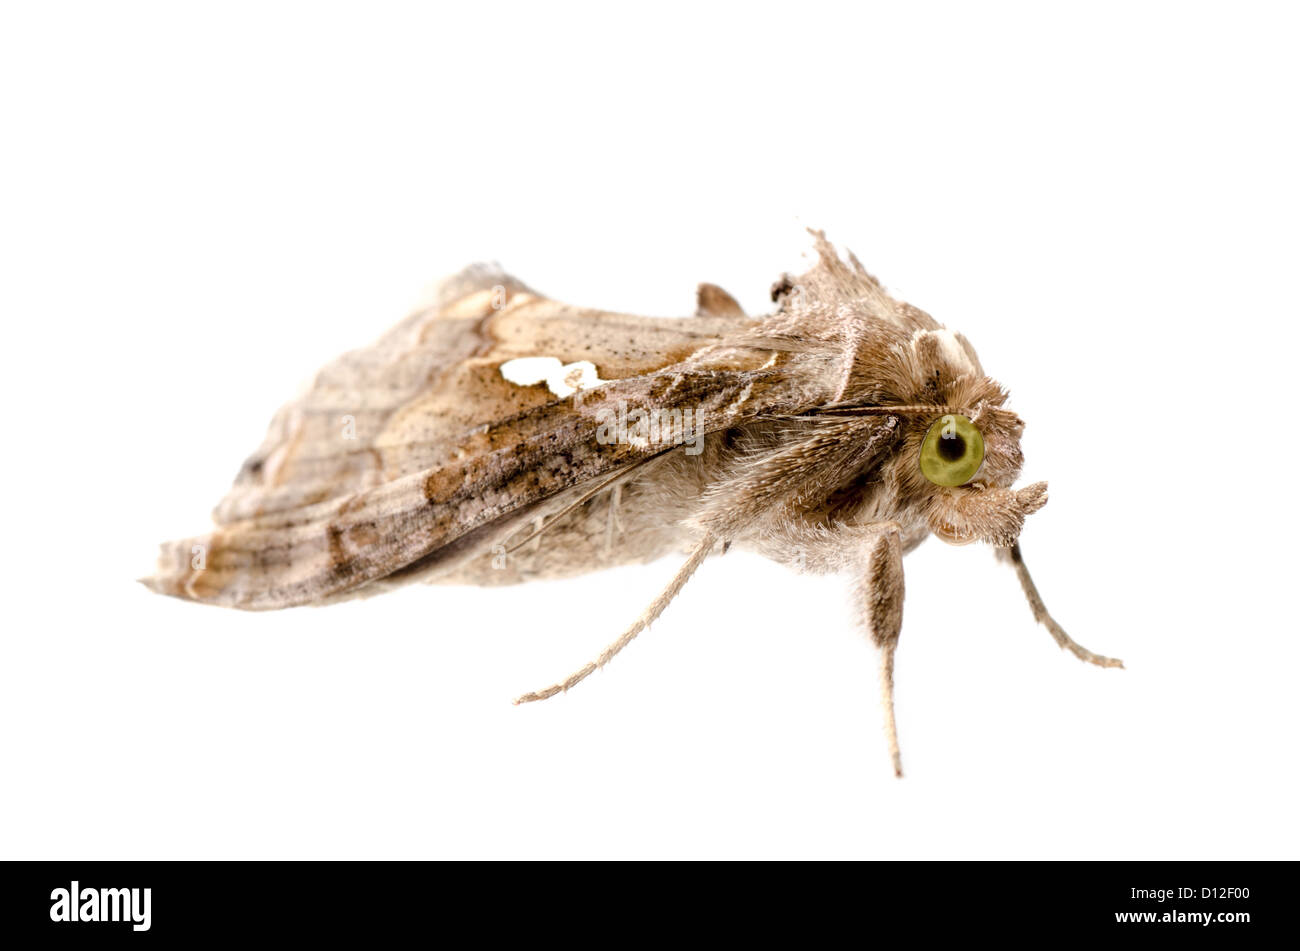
(201, 205)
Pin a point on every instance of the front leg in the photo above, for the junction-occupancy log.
(1036, 605)
(880, 594)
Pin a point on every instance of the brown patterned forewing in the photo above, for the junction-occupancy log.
(399, 449)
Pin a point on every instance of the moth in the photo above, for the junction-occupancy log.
(497, 436)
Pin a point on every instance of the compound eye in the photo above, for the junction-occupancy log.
(952, 452)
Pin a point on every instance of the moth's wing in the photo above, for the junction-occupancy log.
(391, 409)
(401, 448)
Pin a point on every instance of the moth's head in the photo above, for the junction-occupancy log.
(961, 449)
(961, 464)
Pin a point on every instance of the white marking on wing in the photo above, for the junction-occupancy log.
(562, 379)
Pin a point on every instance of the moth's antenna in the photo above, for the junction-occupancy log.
(863, 409)
(647, 618)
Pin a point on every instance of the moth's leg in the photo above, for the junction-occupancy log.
(881, 600)
(655, 609)
(1035, 600)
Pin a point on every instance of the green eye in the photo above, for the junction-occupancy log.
(952, 452)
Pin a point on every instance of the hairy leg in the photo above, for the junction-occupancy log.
(655, 609)
(1035, 600)
(881, 599)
